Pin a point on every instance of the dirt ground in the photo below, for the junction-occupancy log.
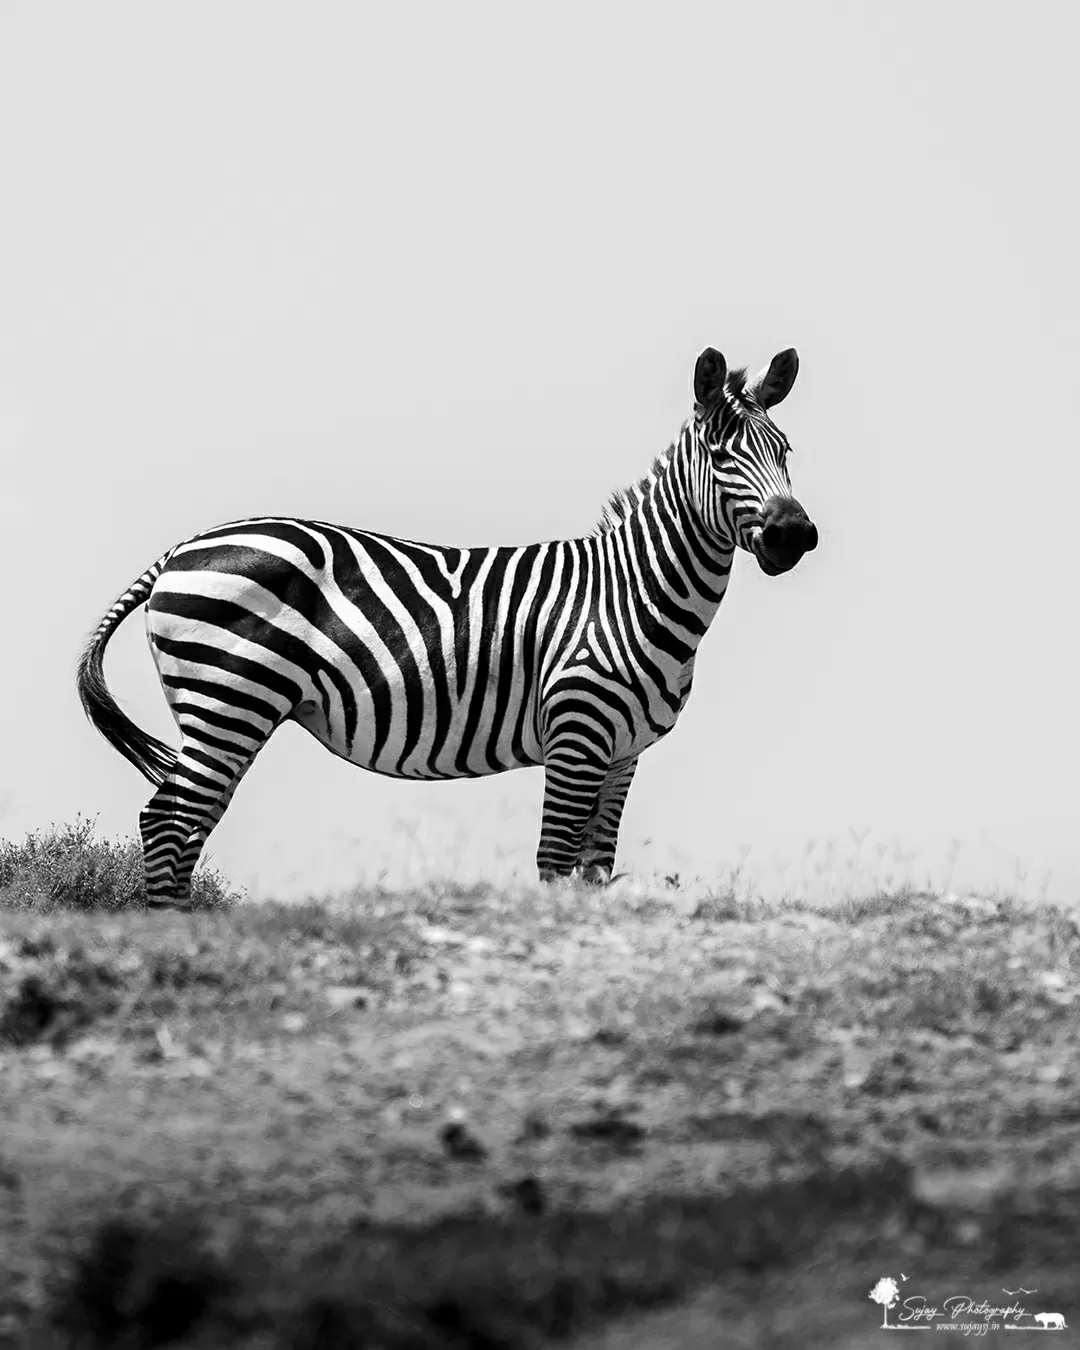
(485, 1118)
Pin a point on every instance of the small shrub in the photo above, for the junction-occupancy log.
(68, 867)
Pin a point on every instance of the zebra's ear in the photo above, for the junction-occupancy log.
(774, 383)
(709, 376)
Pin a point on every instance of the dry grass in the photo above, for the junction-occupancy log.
(497, 1117)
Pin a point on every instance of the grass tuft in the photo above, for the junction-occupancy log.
(69, 867)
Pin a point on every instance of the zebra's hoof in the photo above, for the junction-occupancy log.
(593, 875)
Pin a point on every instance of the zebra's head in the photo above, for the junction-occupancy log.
(746, 490)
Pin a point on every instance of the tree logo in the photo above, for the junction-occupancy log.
(886, 1292)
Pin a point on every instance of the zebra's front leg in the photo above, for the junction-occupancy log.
(572, 783)
(596, 861)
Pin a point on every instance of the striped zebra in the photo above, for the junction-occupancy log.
(424, 661)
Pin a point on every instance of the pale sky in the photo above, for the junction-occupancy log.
(444, 270)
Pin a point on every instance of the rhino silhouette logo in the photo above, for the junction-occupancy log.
(1048, 1320)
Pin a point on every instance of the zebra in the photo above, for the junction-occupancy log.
(430, 662)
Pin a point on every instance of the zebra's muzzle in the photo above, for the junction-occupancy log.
(786, 533)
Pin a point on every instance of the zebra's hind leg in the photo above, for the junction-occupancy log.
(596, 860)
(572, 782)
(189, 803)
(196, 842)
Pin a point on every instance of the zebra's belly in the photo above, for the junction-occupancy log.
(427, 748)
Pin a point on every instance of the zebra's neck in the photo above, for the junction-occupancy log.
(683, 569)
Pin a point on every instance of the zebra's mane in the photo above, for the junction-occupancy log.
(620, 505)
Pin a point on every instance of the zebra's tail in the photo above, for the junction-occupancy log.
(149, 755)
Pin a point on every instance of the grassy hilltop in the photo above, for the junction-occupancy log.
(480, 1117)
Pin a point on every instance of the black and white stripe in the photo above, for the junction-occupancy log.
(422, 661)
